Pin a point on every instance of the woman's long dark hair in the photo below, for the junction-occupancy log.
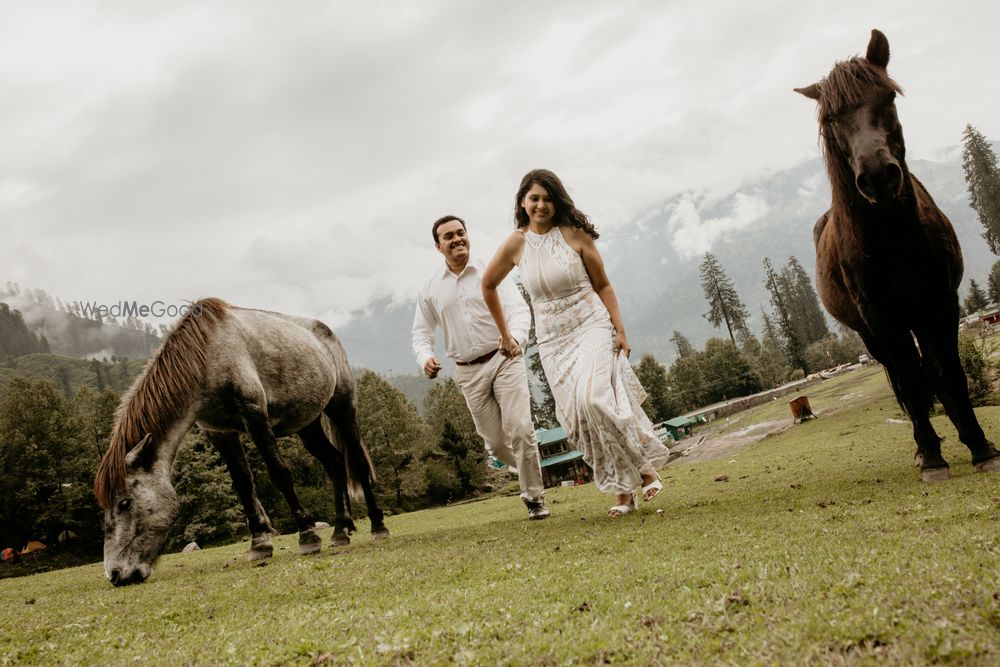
(566, 212)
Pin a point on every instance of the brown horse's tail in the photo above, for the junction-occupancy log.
(357, 460)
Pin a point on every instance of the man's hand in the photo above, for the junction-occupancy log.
(432, 367)
(509, 347)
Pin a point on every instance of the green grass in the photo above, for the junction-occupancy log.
(822, 548)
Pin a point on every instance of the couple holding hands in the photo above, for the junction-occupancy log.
(580, 336)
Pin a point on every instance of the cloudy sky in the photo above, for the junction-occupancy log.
(292, 156)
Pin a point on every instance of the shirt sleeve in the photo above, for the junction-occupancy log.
(425, 321)
(517, 311)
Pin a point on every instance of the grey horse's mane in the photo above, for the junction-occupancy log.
(160, 394)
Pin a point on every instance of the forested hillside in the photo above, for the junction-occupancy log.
(74, 330)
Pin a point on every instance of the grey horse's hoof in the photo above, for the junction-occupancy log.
(309, 542)
(380, 534)
(934, 474)
(992, 465)
(340, 540)
(260, 548)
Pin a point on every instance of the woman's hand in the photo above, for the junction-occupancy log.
(621, 343)
(509, 347)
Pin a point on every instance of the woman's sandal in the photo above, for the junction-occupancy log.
(655, 486)
(621, 510)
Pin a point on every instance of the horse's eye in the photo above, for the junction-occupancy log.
(124, 504)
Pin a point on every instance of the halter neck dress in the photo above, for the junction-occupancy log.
(597, 394)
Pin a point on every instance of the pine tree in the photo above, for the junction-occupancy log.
(660, 405)
(765, 365)
(682, 345)
(804, 303)
(727, 373)
(976, 300)
(723, 302)
(982, 177)
(446, 403)
(396, 436)
(776, 287)
(993, 284)
(36, 454)
(98, 371)
(15, 337)
(688, 381)
(466, 456)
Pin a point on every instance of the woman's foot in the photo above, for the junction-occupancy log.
(651, 485)
(626, 503)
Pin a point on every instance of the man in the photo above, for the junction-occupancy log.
(495, 386)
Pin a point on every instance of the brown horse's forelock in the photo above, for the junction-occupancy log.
(847, 82)
(160, 394)
(843, 88)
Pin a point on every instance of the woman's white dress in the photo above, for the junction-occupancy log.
(597, 394)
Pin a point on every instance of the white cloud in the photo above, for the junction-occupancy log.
(810, 186)
(693, 237)
(295, 160)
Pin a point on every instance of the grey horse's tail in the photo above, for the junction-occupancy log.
(357, 460)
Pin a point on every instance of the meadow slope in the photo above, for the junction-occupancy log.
(821, 547)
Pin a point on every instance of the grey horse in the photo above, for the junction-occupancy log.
(231, 370)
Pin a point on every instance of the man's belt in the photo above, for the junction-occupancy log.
(478, 360)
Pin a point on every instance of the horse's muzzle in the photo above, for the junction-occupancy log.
(119, 578)
(880, 184)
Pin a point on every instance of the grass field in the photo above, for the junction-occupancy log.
(821, 548)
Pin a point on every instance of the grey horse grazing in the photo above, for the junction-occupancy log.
(231, 370)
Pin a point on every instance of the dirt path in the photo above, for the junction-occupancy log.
(708, 447)
(828, 400)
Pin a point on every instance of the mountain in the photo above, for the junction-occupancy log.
(71, 334)
(653, 261)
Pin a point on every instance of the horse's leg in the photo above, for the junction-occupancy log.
(895, 349)
(235, 456)
(317, 444)
(940, 346)
(343, 414)
(260, 430)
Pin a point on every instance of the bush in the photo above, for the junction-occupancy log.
(833, 351)
(976, 366)
(443, 484)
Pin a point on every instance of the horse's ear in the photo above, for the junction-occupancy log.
(138, 454)
(878, 50)
(812, 92)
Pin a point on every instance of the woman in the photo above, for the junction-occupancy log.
(581, 339)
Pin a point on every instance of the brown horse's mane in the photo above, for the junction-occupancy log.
(160, 394)
(842, 88)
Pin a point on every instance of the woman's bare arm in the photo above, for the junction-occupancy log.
(582, 242)
(505, 259)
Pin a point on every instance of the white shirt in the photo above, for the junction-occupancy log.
(455, 303)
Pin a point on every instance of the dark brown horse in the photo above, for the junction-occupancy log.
(888, 263)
